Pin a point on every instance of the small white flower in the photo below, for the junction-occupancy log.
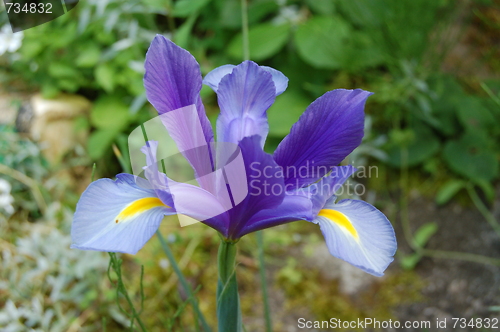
(6, 199)
(9, 41)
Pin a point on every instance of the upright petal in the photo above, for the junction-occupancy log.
(358, 233)
(280, 80)
(173, 81)
(330, 128)
(214, 77)
(244, 97)
(116, 216)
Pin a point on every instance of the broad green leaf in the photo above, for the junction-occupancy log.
(472, 157)
(473, 114)
(99, 142)
(321, 41)
(448, 190)
(104, 75)
(424, 233)
(184, 8)
(109, 113)
(286, 110)
(265, 40)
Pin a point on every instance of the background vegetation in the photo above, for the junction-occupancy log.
(431, 129)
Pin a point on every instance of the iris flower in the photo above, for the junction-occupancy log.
(297, 182)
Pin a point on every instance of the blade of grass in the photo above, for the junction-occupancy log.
(184, 283)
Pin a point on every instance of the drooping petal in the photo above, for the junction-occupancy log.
(265, 185)
(173, 81)
(116, 216)
(214, 77)
(244, 97)
(358, 233)
(330, 128)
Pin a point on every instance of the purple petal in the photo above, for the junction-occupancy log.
(294, 207)
(330, 128)
(244, 97)
(265, 185)
(173, 80)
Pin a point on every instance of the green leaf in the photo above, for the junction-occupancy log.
(184, 8)
(473, 114)
(104, 75)
(408, 262)
(182, 34)
(322, 7)
(285, 112)
(109, 113)
(61, 70)
(448, 190)
(487, 188)
(99, 142)
(265, 40)
(424, 233)
(472, 157)
(321, 41)
(88, 57)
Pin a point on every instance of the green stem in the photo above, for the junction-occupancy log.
(244, 30)
(262, 272)
(184, 283)
(228, 301)
(116, 264)
(483, 209)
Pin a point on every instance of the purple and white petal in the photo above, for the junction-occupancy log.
(279, 79)
(244, 97)
(358, 233)
(330, 128)
(214, 77)
(117, 216)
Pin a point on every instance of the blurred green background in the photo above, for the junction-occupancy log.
(431, 132)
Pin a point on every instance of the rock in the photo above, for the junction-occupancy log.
(53, 124)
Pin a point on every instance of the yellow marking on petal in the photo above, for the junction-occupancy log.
(139, 206)
(340, 219)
